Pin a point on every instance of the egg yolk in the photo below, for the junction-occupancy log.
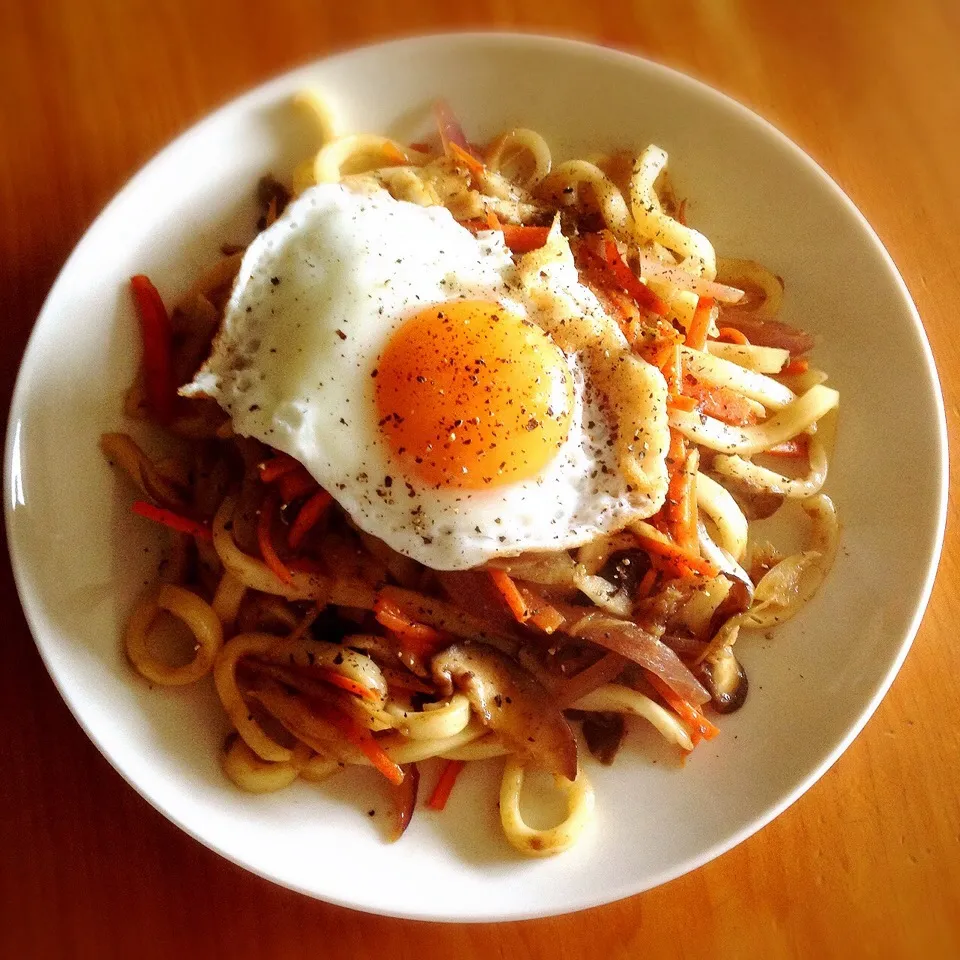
(472, 396)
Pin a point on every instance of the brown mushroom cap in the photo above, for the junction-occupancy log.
(511, 701)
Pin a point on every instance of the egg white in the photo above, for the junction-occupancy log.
(318, 297)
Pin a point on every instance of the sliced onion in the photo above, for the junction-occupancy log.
(768, 333)
(640, 646)
(795, 580)
(651, 267)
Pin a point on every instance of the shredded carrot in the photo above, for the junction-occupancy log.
(681, 509)
(361, 738)
(686, 404)
(645, 587)
(542, 614)
(448, 777)
(732, 335)
(493, 221)
(273, 469)
(676, 453)
(510, 593)
(720, 402)
(604, 249)
(699, 725)
(800, 365)
(156, 334)
(523, 239)
(458, 153)
(674, 552)
(418, 637)
(797, 447)
(345, 683)
(310, 513)
(700, 324)
(265, 538)
(174, 521)
(296, 484)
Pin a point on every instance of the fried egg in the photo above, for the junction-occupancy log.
(400, 359)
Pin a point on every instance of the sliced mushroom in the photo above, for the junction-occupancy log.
(604, 732)
(724, 676)
(511, 701)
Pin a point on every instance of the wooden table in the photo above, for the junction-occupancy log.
(867, 863)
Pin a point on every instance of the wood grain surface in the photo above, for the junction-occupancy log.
(867, 863)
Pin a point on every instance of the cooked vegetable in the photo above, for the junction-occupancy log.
(511, 701)
(157, 335)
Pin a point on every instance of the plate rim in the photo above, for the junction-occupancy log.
(559, 45)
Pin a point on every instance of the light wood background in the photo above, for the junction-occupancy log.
(866, 864)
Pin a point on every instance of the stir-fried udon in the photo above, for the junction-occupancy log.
(460, 458)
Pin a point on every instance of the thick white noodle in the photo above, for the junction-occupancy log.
(254, 775)
(616, 698)
(196, 613)
(574, 173)
(723, 373)
(513, 142)
(736, 468)
(544, 843)
(718, 504)
(758, 359)
(755, 438)
(374, 151)
(652, 225)
(434, 721)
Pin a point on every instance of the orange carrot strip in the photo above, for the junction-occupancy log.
(677, 452)
(681, 508)
(457, 153)
(310, 513)
(296, 484)
(542, 614)
(493, 221)
(174, 521)
(797, 447)
(700, 324)
(674, 552)
(156, 334)
(800, 365)
(448, 777)
(523, 239)
(604, 247)
(265, 538)
(687, 404)
(418, 637)
(345, 683)
(510, 593)
(361, 738)
(732, 335)
(645, 587)
(687, 712)
(720, 402)
(274, 468)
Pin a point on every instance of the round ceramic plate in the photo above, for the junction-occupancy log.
(80, 557)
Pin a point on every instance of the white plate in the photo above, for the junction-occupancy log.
(79, 556)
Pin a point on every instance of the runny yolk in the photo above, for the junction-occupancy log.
(472, 396)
